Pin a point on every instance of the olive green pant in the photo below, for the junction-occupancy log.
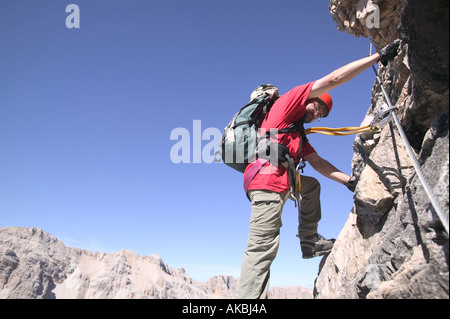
(264, 234)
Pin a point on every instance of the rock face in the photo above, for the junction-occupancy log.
(393, 244)
(34, 264)
(294, 292)
(377, 19)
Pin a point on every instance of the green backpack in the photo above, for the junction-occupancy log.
(239, 138)
(242, 142)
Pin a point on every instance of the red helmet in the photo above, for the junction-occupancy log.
(327, 102)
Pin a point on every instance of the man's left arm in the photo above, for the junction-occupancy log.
(326, 168)
(351, 70)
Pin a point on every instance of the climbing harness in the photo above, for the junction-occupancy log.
(434, 202)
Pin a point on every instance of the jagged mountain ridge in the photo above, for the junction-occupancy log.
(393, 244)
(34, 264)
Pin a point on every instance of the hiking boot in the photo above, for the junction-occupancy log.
(316, 245)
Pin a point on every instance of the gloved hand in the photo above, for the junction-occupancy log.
(389, 52)
(351, 184)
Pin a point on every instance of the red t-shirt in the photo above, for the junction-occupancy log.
(289, 108)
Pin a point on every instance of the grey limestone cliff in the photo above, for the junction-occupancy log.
(393, 244)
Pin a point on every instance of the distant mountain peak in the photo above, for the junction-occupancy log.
(34, 264)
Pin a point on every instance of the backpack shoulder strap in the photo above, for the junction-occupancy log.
(296, 127)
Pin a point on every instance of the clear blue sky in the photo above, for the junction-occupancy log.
(86, 117)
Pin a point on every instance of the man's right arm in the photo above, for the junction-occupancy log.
(342, 75)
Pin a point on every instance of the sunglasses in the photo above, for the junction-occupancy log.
(320, 109)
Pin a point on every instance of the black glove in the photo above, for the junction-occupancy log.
(389, 52)
(351, 184)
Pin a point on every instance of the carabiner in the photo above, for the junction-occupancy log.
(381, 119)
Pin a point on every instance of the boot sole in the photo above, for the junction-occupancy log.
(317, 254)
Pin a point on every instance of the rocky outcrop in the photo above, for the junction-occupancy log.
(393, 244)
(377, 19)
(294, 292)
(36, 265)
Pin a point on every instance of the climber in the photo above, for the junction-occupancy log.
(270, 188)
